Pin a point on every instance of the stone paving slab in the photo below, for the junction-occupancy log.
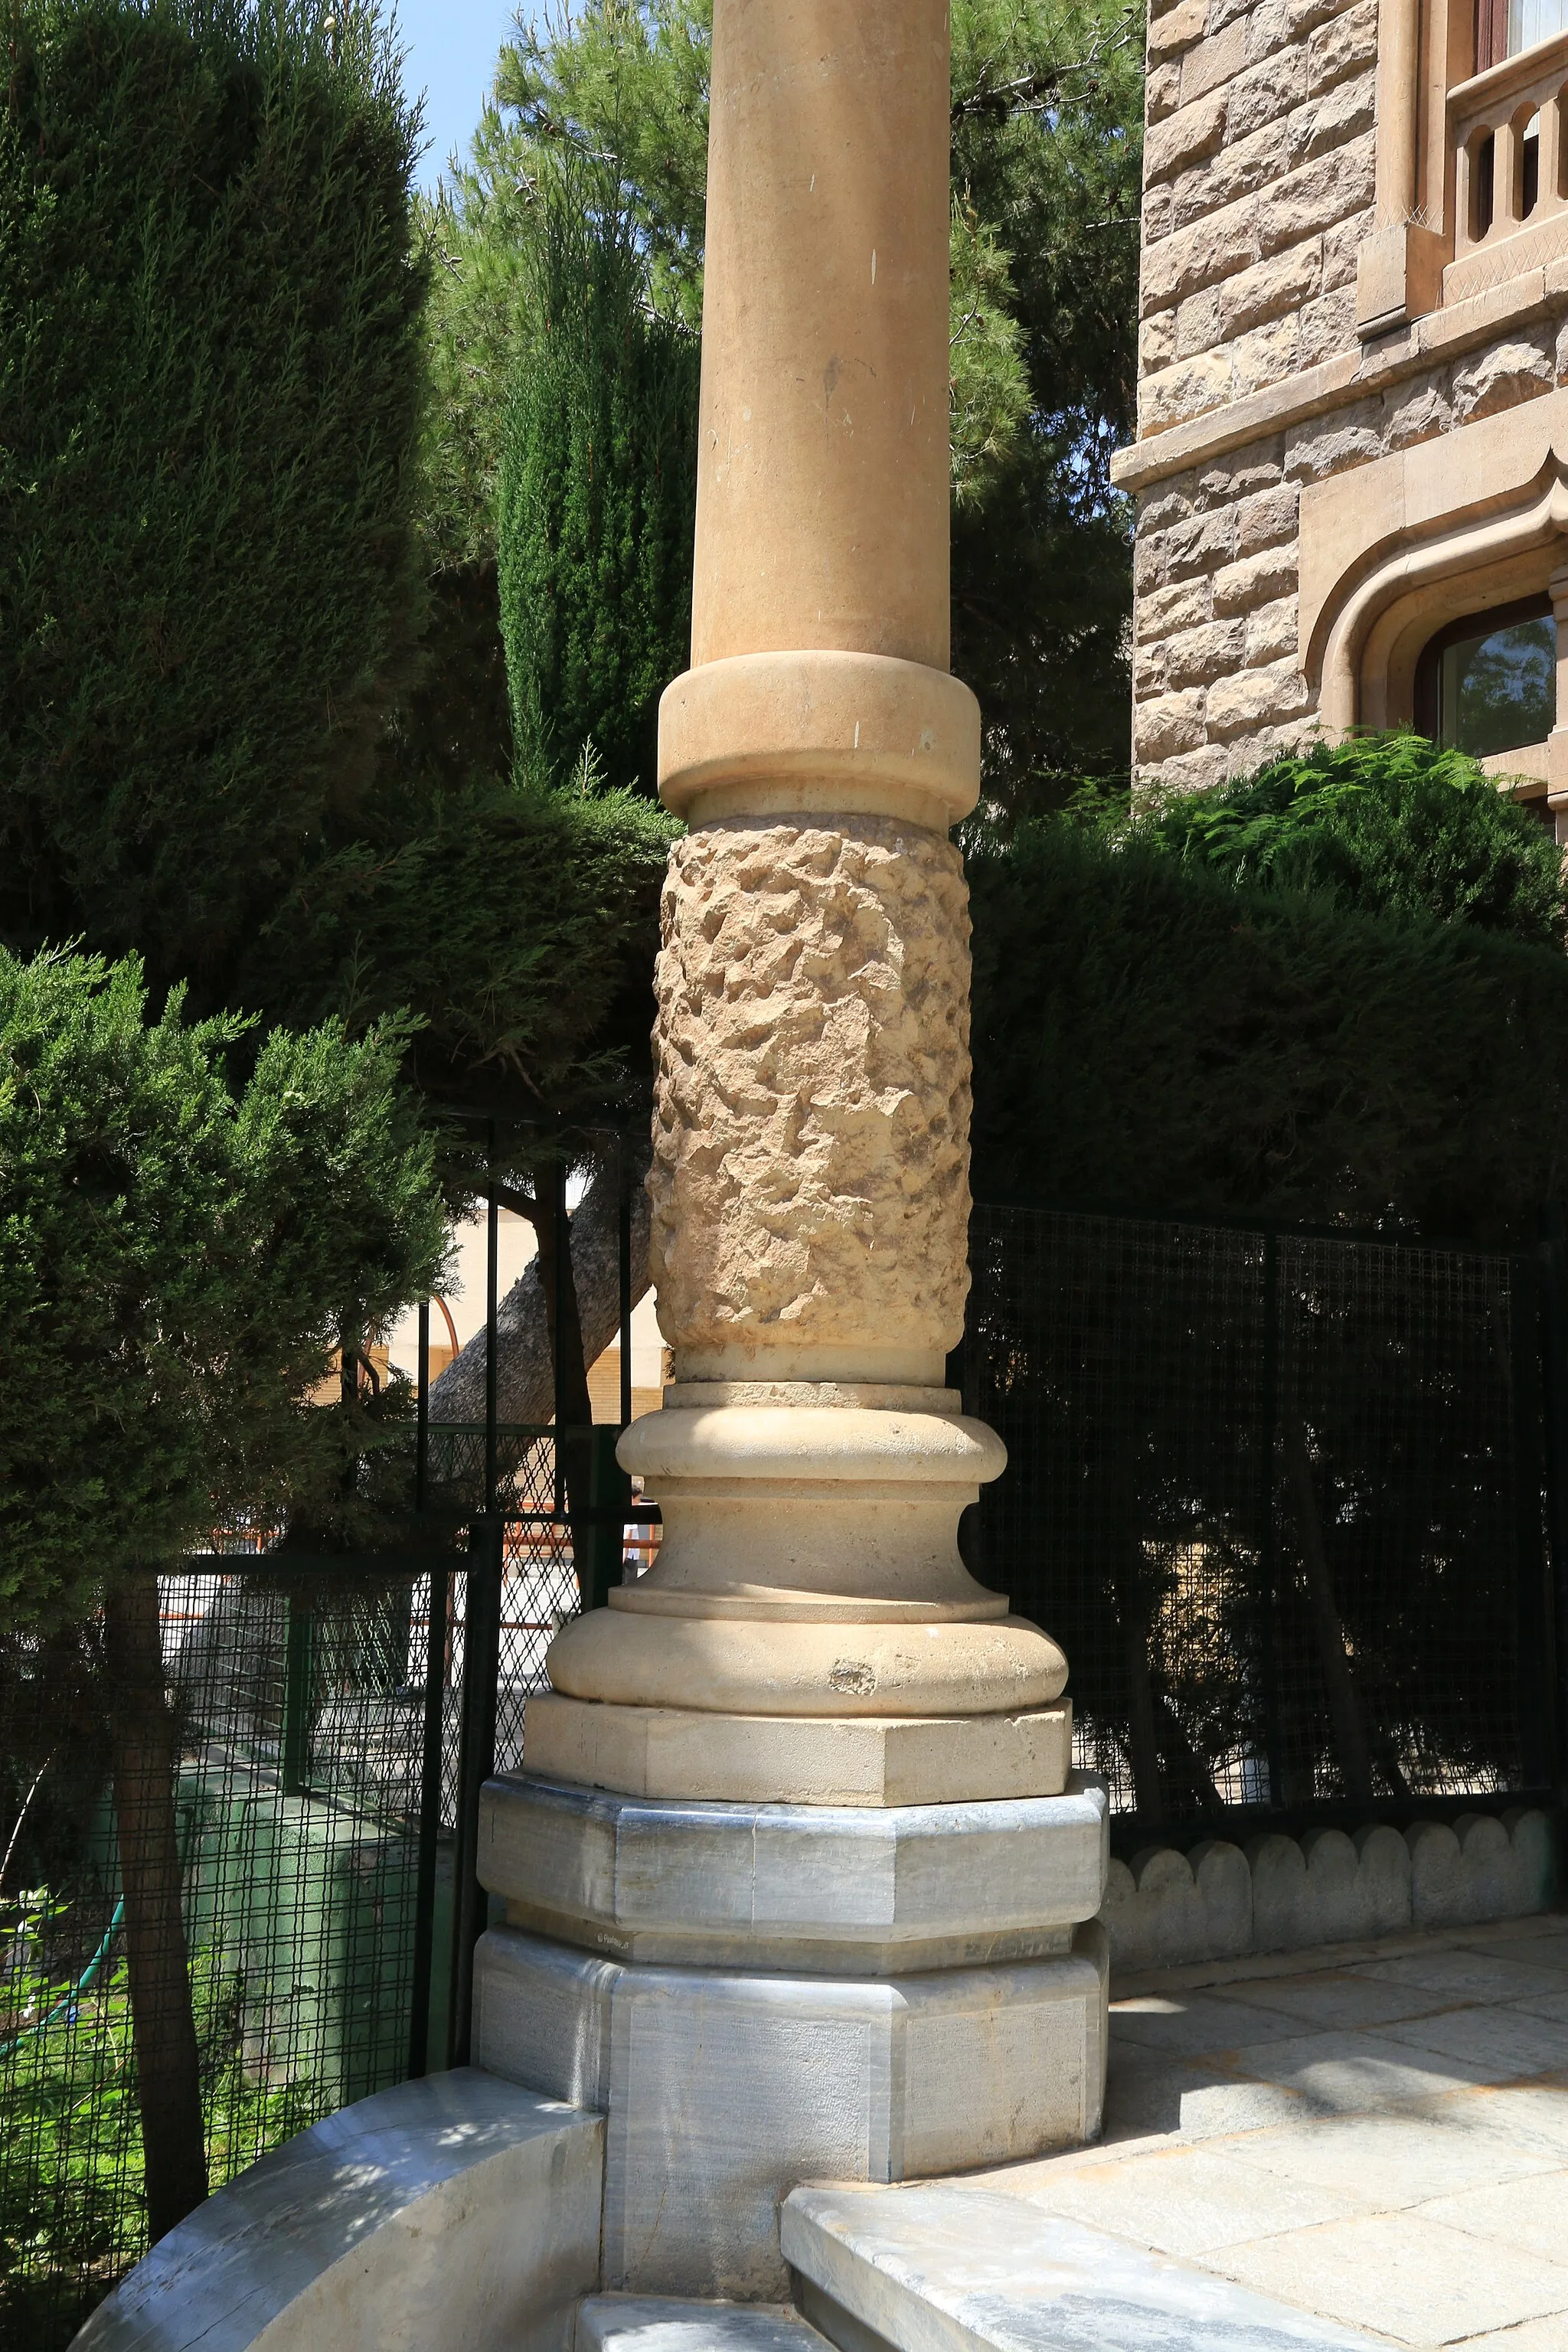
(1377, 2135)
(629, 2323)
(942, 2268)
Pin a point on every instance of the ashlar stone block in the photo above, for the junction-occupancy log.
(723, 2089)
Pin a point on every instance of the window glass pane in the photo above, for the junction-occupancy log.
(1500, 688)
(1529, 21)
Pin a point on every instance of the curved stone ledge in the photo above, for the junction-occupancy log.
(1220, 1902)
(459, 2210)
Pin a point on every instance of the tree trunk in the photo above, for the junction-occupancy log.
(1339, 1682)
(142, 1761)
(564, 1329)
(1142, 1751)
(572, 1406)
(525, 1354)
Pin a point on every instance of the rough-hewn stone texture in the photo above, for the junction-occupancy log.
(1257, 190)
(810, 1177)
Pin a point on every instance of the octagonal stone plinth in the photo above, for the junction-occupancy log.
(723, 2089)
(814, 1889)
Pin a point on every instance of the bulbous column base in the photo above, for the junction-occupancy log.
(728, 1666)
(809, 1631)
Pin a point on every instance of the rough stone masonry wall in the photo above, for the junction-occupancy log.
(1217, 684)
(1258, 168)
(1257, 190)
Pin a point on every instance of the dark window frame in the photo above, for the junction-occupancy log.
(1491, 33)
(1428, 712)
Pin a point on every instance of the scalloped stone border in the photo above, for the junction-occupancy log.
(1222, 1901)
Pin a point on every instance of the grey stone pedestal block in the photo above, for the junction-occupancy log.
(726, 2084)
(819, 1889)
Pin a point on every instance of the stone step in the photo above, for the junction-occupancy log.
(652, 2323)
(949, 2268)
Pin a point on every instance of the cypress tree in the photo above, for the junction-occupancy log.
(598, 487)
(211, 388)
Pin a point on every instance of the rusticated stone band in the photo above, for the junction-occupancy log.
(809, 1186)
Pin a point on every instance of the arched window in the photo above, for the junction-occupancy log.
(1488, 683)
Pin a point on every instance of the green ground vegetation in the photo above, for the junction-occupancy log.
(72, 2217)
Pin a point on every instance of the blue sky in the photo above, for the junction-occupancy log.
(451, 47)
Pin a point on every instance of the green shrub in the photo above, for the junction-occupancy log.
(178, 1257)
(1151, 1035)
(1392, 825)
(211, 388)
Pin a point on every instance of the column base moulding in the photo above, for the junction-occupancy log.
(680, 1752)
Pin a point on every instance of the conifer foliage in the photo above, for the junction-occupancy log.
(211, 382)
(598, 490)
(179, 1252)
(1333, 990)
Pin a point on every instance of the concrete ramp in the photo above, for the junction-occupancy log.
(458, 2214)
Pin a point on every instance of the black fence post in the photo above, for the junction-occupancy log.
(563, 1246)
(492, 1260)
(298, 1661)
(1553, 1264)
(422, 1422)
(431, 1762)
(1536, 1736)
(602, 1535)
(624, 1171)
(475, 1763)
(1268, 1548)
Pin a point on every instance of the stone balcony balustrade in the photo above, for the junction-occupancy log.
(1510, 167)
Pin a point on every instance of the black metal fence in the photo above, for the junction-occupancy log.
(331, 1726)
(297, 1762)
(1282, 1497)
(1286, 1499)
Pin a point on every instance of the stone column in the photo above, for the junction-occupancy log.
(797, 1875)
(809, 1630)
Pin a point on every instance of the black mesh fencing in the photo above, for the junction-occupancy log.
(230, 1833)
(1281, 1496)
